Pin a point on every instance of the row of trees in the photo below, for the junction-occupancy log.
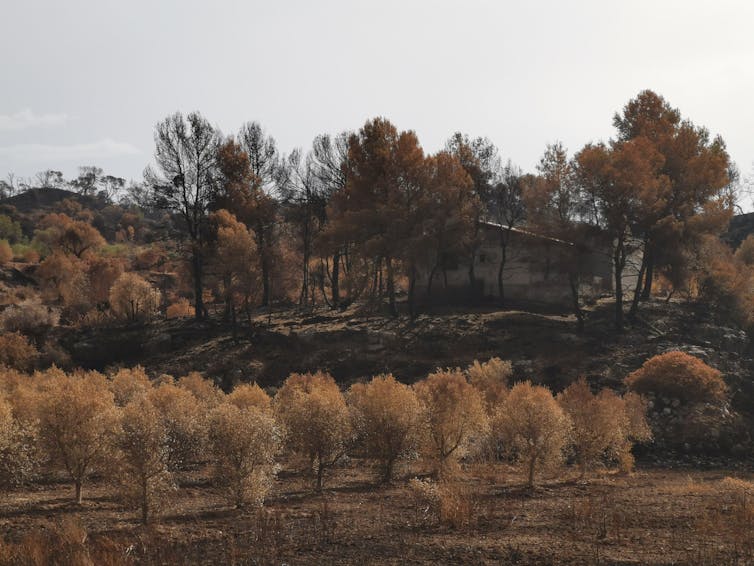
(150, 432)
(369, 207)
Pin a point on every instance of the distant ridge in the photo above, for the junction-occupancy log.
(47, 198)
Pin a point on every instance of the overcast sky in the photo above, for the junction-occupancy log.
(84, 82)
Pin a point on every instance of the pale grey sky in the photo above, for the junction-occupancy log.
(84, 82)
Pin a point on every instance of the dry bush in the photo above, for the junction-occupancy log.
(134, 298)
(454, 417)
(142, 442)
(103, 273)
(243, 444)
(387, 418)
(77, 419)
(677, 375)
(18, 447)
(30, 318)
(250, 395)
(64, 543)
(61, 233)
(533, 427)
(16, 352)
(129, 384)
(180, 309)
(316, 419)
(604, 425)
(492, 379)
(184, 419)
(6, 252)
(63, 278)
(451, 504)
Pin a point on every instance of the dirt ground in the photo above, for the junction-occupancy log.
(655, 516)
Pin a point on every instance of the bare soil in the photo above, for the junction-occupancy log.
(655, 516)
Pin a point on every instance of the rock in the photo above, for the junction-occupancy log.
(666, 411)
(675, 403)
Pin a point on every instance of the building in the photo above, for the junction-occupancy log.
(537, 269)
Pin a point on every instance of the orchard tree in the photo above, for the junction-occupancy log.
(143, 457)
(77, 419)
(454, 416)
(534, 427)
(387, 418)
(317, 422)
(185, 183)
(243, 444)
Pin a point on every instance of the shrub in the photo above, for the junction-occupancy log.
(243, 444)
(387, 418)
(452, 504)
(533, 427)
(180, 309)
(454, 416)
(317, 422)
(16, 352)
(677, 375)
(77, 419)
(142, 441)
(491, 379)
(29, 318)
(250, 395)
(603, 425)
(134, 298)
(6, 252)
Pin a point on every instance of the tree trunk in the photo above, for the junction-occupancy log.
(532, 468)
(79, 496)
(265, 280)
(618, 264)
(638, 289)
(336, 279)
(411, 293)
(574, 283)
(196, 264)
(647, 290)
(144, 502)
(503, 258)
(391, 287)
(320, 473)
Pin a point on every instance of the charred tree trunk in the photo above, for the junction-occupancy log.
(335, 283)
(197, 268)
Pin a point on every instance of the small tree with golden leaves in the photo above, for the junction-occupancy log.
(77, 419)
(243, 444)
(534, 428)
(316, 418)
(387, 418)
(454, 416)
(142, 441)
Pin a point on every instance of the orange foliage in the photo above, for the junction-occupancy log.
(677, 375)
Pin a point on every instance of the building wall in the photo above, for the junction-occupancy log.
(535, 271)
